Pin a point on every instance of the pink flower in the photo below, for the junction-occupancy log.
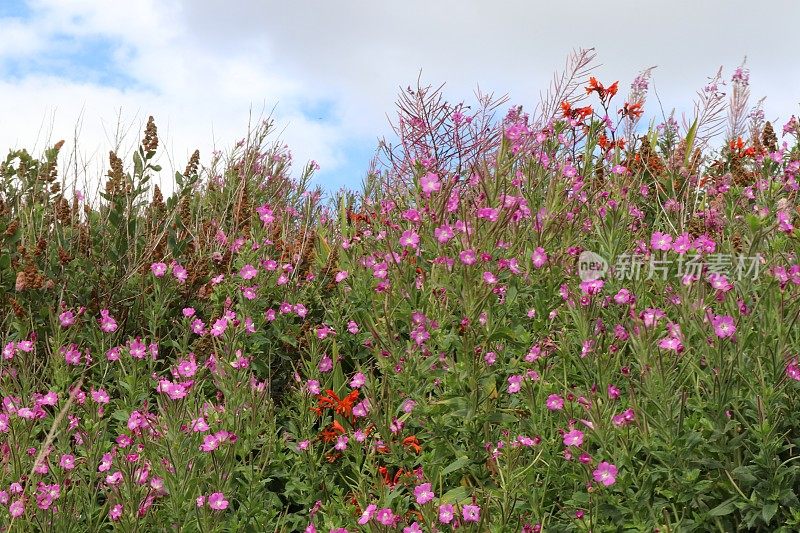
(443, 233)
(198, 327)
(613, 392)
(682, 244)
(67, 461)
(107, 322)
(251, 293)
(719, 282)
(623, 297)
(105, 463)
(539, 257)
(159, 269)
(137, 349)
(67, 318)
(661, 241)
(409, 238)
(187, 367)
(723, 326)
(555, 402)
(429, 183)
(341, 443)
(248, 272)
(313, 386)
(217, 501)
(323, 331)
(606, 473)
(325, 364)
(179, 273)
(266, 214)
(671, 343)
(115, 513)
(489, 278)
(341, 276)
(592, 286)
(385, 516)
(514, 384)
(16, 509)
(573, 438)
(471, 513)
(468, 257)
(423, 493)
(219, 327)
(408, 405)
(446, 513)
(199, 425)
(792, 370)
(210, 443)
(361, 409)
(175, 390)
(72, 355)
(368, 513)
(489, 213)
(785, 222)
(358, 381)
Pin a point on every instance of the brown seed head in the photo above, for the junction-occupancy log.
(150, 141)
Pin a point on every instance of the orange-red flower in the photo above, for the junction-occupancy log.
(391, 481)
(605, 144)
(602, 92)
(340, 406)
(738, 149)
(413, 443)
(632, 110)
(330, 433)
(577, 113)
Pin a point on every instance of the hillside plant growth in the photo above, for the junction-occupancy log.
(562, 320)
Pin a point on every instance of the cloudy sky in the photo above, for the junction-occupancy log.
(332, 69)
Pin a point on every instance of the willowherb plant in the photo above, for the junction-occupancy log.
(518, 325)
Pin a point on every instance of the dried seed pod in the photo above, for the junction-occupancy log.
(19, 312)
(194, 163)
(63, 256)
(41, 246)
(768, 138)
(116, 182)
(11, 229)
(63, 212)
(150, 141)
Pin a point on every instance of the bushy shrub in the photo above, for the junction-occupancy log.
(520, 323)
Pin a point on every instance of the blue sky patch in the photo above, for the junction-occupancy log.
(18, 9)
(357, 155)
(319, 110)
(94, 60)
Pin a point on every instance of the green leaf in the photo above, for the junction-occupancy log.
(138, 164)
(769, 511)
(725, 508)
(690, 143)
(458, 464)
(456, 495)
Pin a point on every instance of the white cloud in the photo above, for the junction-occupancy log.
(200, 66)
